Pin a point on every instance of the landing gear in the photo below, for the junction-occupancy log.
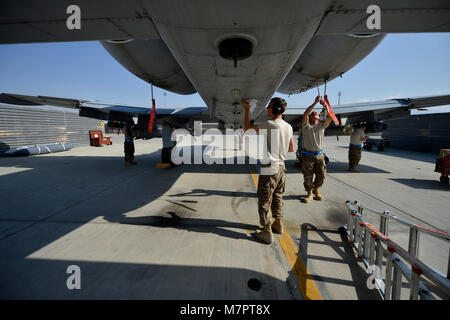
(168, 144)
(166, 155)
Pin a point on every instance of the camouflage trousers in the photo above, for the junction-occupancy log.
(270, 196)
(354, 155)
(313, 165)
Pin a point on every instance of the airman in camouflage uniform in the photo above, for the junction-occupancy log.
(313, 165)
(128, 145)
(354, 150)
(272, 180)
(270, 196)
(313, 160)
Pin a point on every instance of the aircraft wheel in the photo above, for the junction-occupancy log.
(368, 147)
(444, 179)
(381, 147)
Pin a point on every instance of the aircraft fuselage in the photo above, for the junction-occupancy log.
(282, 54)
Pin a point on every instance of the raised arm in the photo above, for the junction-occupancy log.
(247, 124)
(308, 111)
(364, 137)
(328, 120)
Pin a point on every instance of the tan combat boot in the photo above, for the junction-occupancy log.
(265, 235)
(277, 226)
(317, 194)
(309, 197)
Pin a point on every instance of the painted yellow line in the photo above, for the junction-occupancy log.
(163, 165)
(306, 284)
(255, 179)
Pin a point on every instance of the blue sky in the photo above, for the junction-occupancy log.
(403, 65)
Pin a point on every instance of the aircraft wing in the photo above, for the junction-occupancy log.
(405, 16)
(374, 110)
(23, 21)
(26, 21)
(99, 110)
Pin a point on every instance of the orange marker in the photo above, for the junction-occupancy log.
(329, 111)
(152, 117)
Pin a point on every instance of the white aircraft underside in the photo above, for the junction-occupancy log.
(279, 32)
(175, 44)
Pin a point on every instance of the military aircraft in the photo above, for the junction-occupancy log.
(226, 51)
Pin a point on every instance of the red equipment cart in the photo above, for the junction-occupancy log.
(443, 166)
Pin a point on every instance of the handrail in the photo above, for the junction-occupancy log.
(434, 233)
(373, 245)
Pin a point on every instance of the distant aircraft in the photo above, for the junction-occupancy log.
(226, 51)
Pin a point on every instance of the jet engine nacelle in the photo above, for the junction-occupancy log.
(327, 57)
(151, 61)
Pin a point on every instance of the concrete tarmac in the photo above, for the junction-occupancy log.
(142, 232)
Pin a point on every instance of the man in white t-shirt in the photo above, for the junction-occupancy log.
(272, 180)
(354, 150)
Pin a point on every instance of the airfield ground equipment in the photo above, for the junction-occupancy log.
(97, 139)
(443, 165)
(388, 262)
(380, 143)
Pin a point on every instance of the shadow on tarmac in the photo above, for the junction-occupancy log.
(189, 224)
(423, 183)
(405, 154)
(44, 198)
(232, 194)
(46, 279)
(346, 256)
(340, 167)
(335, 166)
(51, 196)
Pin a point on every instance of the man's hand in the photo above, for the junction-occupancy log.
(318, 98)
(307, 111)
(247, 124)
(321, 101)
